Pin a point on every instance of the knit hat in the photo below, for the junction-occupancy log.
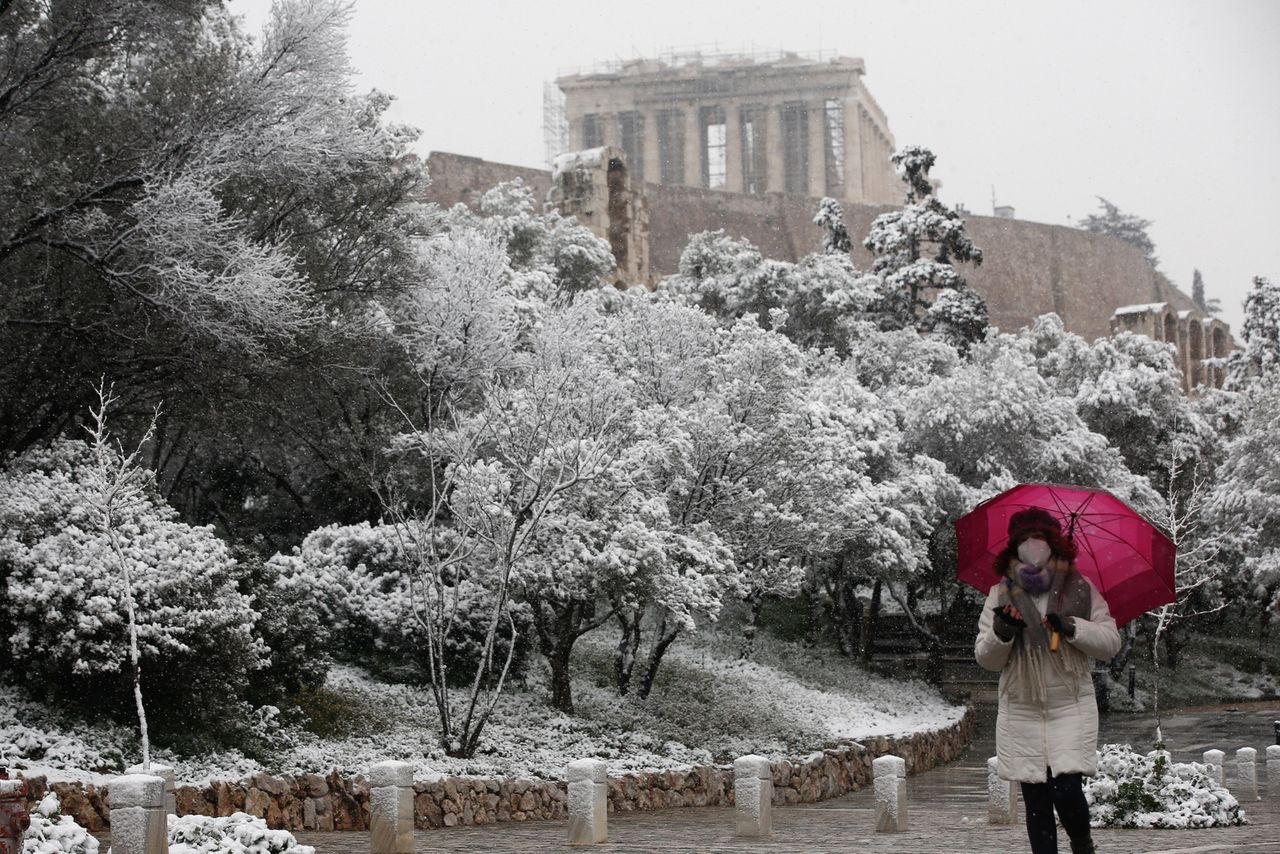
(1032, 519)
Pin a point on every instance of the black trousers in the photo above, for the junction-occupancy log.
(1065, 793)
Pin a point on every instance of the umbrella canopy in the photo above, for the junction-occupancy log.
(1126, 557)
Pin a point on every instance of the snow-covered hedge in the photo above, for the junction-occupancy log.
(51, 832)
(62, 611)
(1132, 790)
(239, 833)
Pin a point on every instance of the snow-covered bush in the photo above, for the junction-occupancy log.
(1132, 790)
(51, 832)
(358, 579)
(289, 624)
(238, 833)
(62, 614)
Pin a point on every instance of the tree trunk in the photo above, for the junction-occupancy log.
(1118, 664)
(625, 661)
(1173, 644)
(756, 601)
(665, 639)
(868, 639)
(561, 689)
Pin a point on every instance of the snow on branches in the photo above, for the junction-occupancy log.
(915, 249)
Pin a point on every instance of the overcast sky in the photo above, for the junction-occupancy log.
(1169, 108)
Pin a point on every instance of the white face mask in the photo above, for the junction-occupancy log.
(1035, 552)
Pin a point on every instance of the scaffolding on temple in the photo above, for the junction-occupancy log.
(555, 126)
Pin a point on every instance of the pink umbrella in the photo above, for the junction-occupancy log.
(1126, 557)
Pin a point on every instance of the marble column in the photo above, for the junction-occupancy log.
(693, 146)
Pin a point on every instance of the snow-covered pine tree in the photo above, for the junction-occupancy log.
(1209, 307)
(1260, 333)
(1127, 227)
(915, 249)
(835, 236)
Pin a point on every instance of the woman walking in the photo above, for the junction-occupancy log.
(1041, 624)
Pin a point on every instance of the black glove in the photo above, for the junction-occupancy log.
(1066, 628)
(1005, 626)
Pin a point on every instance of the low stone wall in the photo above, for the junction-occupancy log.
(334, 802)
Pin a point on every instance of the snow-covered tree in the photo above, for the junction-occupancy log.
(1210, 307)
(1260, 335)
(202, 218)
(1128, 388)
(815, 302)
(995, 421)
(559, 249)
(835, 236)
(915, 250)
(1127, 227)
(1246, 499)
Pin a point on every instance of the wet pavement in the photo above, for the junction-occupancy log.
(947, 808)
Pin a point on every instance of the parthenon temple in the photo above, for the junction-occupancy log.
(750, 124)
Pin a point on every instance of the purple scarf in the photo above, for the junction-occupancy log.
(1034, 580)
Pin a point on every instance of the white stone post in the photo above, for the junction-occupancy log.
(165, 773)
(1247, 774)
(1273, 771)
(891, 793)
(138, 821)
(588, 801)
(1002, 806)
(1213, 759)
(753, 795)
(391, 808)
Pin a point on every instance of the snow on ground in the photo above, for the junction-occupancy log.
(706, 706)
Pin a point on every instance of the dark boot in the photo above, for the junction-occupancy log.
(1082, 844)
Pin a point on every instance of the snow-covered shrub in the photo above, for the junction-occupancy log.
(51, 832)
(238, 833)
(290, 626)
(361, 582)
(1132, 790)
(62, 610)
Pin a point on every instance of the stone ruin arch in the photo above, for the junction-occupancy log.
(1199, 343)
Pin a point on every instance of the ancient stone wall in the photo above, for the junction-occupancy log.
(1028, 269)
(336, 802)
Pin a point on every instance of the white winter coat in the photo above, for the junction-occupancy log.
(1060, 733)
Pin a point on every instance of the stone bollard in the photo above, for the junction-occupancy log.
(1002, 806)
(391, 808)
(753, 795)
(1247, 774)
(139, 824)
(1213, 760)
(588, 801)
(891, 793)
(165, 773)
(1273, 771)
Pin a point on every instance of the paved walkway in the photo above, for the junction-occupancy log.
(948, 809)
